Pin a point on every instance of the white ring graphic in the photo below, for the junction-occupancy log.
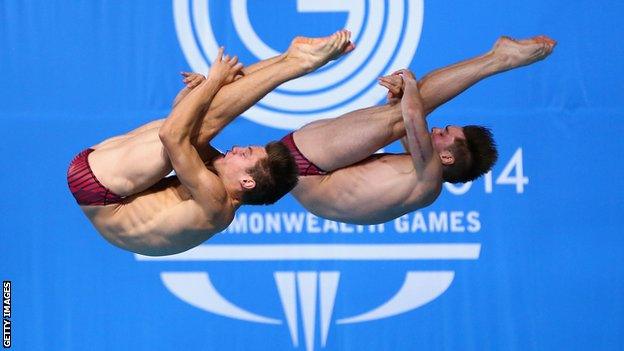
(386, 42)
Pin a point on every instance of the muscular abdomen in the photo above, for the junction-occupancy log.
(376, 190)
(158, 221)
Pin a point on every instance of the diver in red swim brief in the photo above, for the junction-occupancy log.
(305, 167)
(85, 187)
(122, 186)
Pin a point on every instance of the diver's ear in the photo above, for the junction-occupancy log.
(247, 182)
(447, 158)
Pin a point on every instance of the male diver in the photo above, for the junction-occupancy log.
(119, 183)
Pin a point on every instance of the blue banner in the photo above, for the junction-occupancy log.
(528, 257)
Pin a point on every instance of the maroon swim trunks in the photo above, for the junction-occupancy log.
(84, 185)
(305, 167)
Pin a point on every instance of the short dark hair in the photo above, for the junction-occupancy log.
(275, 175)
(474, 156)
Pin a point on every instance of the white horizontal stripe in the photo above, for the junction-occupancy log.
(324, 252)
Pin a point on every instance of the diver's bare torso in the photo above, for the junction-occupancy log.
(161, 220)
(376, 190)
(159, 216)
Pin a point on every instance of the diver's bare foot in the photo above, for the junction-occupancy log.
(516, 53)
(313, 53)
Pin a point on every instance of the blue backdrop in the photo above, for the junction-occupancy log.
(529, 257)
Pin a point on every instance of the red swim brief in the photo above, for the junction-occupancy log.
(84, 185)
(306, 168)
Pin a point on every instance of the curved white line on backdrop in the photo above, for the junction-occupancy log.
(418, 289)
(247, 34)
(281, 120)
(196, 289)
(344, 67)
(203, 29)
(255, 45)
(184, 30)
(284, 120)
(355, 8)
(357, 82)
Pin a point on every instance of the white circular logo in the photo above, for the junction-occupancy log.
(386, 34)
